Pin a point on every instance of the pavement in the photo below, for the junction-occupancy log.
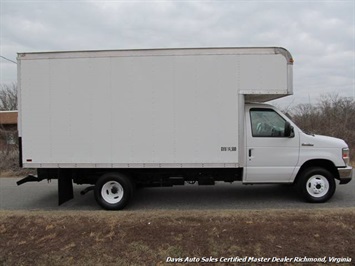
(43, 196)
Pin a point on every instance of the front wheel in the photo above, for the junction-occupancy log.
(316, 185)
(113, 191)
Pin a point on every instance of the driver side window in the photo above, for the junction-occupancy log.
(266, 123)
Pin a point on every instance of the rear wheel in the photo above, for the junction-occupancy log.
(113, 191)
(316, 185)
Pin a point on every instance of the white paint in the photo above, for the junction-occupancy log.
(172, 107)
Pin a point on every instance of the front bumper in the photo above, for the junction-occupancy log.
(345, 174)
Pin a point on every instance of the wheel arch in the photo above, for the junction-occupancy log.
(323, 163)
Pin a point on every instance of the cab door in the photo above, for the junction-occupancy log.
(271, 157)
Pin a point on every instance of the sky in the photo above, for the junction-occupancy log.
(319, 34)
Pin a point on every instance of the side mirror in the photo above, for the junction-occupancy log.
(289, 130)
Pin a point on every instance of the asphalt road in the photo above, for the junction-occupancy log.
(43, 196)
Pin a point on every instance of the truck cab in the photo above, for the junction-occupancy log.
(278, 151)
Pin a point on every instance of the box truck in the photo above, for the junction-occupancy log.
(121, 119)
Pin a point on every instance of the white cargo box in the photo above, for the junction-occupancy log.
(143, 108)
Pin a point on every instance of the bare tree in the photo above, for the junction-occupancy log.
(8, 151)
(306, 116)
(8, 97)
(332, 116)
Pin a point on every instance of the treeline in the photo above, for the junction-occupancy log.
(332, 116)
(8, 97)
(9, 154)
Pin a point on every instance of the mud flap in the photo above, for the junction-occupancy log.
(65, 186)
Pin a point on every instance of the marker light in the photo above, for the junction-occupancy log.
(346, 155)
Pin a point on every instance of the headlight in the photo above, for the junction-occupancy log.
(346, 155)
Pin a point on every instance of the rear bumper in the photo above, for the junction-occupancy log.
(345, 174)
(29, 178)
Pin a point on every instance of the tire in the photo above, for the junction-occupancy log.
(113, 191)
(316, 185)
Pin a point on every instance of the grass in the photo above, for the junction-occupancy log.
(150, 238)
